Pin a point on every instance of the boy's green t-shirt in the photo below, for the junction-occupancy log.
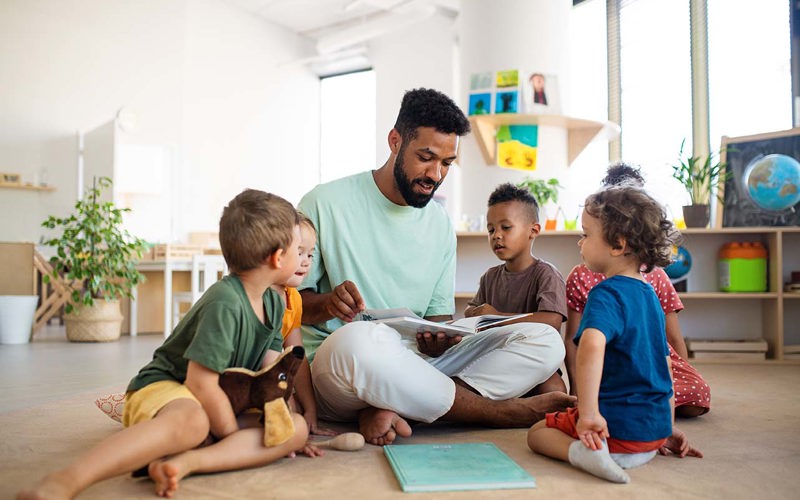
(220, 331)
(398, 256)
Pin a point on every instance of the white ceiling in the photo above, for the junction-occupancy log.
(337, 24)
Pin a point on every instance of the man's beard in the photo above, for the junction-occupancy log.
(406, 185)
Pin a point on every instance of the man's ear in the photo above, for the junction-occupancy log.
(395, 141)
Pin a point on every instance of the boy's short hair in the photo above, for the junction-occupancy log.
(253, 226)
(630, 213)
(509, 192)
(623, 173)
(429, 108)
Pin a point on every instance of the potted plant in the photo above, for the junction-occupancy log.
(96, 259)
(546, 194)
(700, 176)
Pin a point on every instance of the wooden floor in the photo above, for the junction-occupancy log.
(47, 417)
(51, 368)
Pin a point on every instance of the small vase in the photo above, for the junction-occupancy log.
(696, 215)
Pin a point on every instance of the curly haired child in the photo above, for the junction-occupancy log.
(625, 409)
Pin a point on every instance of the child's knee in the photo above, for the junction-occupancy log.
(298, 440)
(535, 428)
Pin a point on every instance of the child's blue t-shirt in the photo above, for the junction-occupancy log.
(636, 385)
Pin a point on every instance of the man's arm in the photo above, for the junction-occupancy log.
(344, 302)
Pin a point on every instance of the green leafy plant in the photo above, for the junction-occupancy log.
(544, 191)
(699, 175)
(96, 256)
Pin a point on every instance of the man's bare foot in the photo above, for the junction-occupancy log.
(380, 427)
(166, 474)
(548, 403)
(53, 486)
(554, 384)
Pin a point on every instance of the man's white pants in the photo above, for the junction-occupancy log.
(365, 364)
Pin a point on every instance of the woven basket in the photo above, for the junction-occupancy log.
(99, 323)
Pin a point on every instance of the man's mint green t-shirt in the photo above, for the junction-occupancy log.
(397, 256)
(220, 331)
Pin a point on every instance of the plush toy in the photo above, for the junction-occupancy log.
(268, 389)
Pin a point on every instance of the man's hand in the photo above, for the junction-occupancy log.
(435, 344)
(678, 444)
(345, 301)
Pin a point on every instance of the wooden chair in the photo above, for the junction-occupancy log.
(206, 270)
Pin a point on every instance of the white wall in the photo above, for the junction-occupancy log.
(421, 55)
(204, 79)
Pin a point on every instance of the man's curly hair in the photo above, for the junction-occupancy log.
(509, 192)
(623, 173)
(429, 108)
(630, 213)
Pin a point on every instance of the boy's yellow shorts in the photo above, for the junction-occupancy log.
(143, 404)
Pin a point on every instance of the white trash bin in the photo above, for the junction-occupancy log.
(16, 318)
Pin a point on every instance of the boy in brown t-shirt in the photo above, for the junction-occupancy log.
(523, 283)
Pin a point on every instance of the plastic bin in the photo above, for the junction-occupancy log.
(743, 267)
(16, 318)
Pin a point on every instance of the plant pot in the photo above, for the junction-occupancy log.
(16, 318)
(696, 215)
(101, 322)
(550, 224)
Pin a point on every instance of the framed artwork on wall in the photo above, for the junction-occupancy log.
(763, 188)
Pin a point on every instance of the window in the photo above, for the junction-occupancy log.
(750, 88)
(347, 134)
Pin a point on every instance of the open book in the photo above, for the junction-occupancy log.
(409, 324)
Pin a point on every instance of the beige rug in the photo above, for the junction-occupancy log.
(751, 440)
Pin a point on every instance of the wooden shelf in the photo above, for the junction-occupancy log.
(727, 295)
(28, 187)
(544, 233)
(580, 132)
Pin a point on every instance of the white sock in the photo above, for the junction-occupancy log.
(597, 462)
(631, 460)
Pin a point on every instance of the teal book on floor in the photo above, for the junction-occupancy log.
(455, 467)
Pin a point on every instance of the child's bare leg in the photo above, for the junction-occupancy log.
(180, 425)
(555, 444)
(240, 450)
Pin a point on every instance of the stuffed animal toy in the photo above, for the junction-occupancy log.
(267, 389)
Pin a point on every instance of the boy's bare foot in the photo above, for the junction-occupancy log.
(51, 487)
(166, 474)
(380, 427)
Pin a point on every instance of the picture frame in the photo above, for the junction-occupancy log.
(547, 100)
(761, 182)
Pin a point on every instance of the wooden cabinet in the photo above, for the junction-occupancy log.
(773, 315)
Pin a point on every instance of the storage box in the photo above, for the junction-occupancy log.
(743, 267)
(167, 251)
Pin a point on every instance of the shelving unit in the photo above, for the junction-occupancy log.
(580, 132)
(773, 315)
(28, 187)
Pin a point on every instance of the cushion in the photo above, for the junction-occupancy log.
(112, 405)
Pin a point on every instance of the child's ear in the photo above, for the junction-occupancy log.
(534, 230)
(275, 258)
(620, 248)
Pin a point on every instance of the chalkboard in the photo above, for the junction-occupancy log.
(742, 155)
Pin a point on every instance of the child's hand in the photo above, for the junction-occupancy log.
(678, 444)
(592, 430)
(483, 309)
(310, 450)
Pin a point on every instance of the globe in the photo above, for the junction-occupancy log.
(681, 263)
(773, 182)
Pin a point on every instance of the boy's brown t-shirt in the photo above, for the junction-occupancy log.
(539, 288)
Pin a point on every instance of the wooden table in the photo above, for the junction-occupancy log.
(167, 267)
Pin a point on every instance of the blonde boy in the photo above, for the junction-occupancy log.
(175, 402)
